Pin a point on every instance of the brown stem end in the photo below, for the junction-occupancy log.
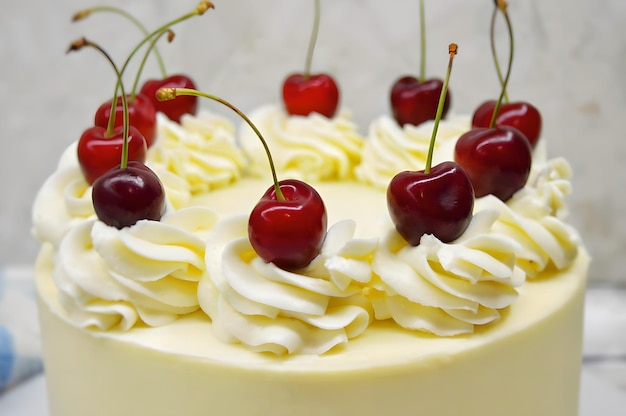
(453, 49)
(165, 94)
(77, 45)
(204, 6)
(83, 14)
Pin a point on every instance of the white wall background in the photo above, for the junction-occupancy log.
(570, 62)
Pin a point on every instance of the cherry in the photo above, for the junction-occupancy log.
(288, 232)
(287, 226)
(496, 159)
(522, 115)
(141, 113)
(414, 102)
(99, 152)
(305, 93)
(437, 201)
(173, 109)
(125, 195)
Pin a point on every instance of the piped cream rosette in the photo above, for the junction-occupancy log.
(272, 310)
(311, 148)
(149, 272)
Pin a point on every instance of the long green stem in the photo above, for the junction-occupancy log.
(165, 94)
(312, 40)
(133, 91)
(81, 43)
(202, 7)
(452, 50)
(494, 53)
(496, 110)
(84, 13)
(422, 77)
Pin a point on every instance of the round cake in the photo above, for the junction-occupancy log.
(180, 316)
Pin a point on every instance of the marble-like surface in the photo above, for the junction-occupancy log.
(570, 61)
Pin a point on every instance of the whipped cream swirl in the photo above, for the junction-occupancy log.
(273, 310)
(446, 288)
(311, 148)
(390, 148)
(113, 279)
(200, 154)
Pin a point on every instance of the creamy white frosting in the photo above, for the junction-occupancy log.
(270, 309)
(201, 152)
(311, 148)
(446, 288)
(112, 279)
(390, 148)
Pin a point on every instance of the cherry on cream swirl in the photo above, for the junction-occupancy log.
(311, 148)
(273, 310)
(149, 272)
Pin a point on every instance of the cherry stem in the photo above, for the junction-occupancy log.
(494, 53)
(312, 40)
(452, 50)
(501, 4)
(170, 38)
(422, 42)
(87, 12)
(165, 94)
(79, 44)
(202, 7)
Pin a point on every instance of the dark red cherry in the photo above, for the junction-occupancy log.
(176, 108)
(123, 196)
(303, 95)
(439, 202)
(497, 160)
(414, 102)
(523, 116)
(141, 114)
(290, 232)
(97, 153)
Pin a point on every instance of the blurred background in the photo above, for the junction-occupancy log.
(570, 62)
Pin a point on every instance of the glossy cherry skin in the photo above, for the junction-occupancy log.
(439, 202)
(497, 160)
(98, 153)
(288, 233)
(523, 116)
(316, 93)
(173, 109)
(414, 102)
(121, 197)
(141, 114)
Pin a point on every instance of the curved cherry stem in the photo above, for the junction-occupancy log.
(494, 53)
(312, 40)
(165, 94)
(170, 37)
(81, 43)
(452, 50)
(87, 12)
(202, 7)
(422, 42)
(502, 5)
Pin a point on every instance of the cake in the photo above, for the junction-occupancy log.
(182, 314)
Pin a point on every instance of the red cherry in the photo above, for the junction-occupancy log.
(290, 232)
(303, 95)
(414, 102)
(497, 160)
(523, 116)
(98, 153)
(141, 113)
(173, 109)
(123, 196)
(439, 202)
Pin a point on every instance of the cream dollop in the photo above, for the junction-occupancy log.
(113, 279)
(311, 148)
(390, 148)
(196, 156)
(446, 288)
(273, 310)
